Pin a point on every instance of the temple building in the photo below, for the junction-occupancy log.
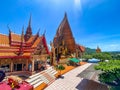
(64, 42)
(98, 50)
(23, 52)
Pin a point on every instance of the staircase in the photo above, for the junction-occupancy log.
(46, 76)
(51, 71)
(49, 78)
(35, 80)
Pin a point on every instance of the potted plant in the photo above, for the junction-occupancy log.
(60, 68)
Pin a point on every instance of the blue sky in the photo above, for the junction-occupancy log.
(93, 22)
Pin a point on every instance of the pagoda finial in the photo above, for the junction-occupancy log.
(22, 30)
(97, 47)
(44, 32)
(29, 24)
(65, 16)
(21, 46)
(28, 33)
(22, 35)
(8, 28)
(38, 32)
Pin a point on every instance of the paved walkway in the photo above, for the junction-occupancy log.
(70, 80)
(90, 73)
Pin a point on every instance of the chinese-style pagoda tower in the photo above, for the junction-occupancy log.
(28, 33)
(98, 50)
(64, 41)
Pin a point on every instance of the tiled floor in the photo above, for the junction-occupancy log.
(70, 80)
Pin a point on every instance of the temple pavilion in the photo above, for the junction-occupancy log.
(24, 52)
(64, 42)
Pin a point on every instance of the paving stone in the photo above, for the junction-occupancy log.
(70, 80)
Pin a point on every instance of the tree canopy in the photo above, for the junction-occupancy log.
(102, 56)
(87, 57)
(111, 71)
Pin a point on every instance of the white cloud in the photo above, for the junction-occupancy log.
(111, 47)
(105, 47)
(77, 4)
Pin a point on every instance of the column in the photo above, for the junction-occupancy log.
(27, 65)
(32, 65)
(54, 60)
(11, 66)
(46, 62)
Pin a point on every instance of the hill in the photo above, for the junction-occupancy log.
(89, 50)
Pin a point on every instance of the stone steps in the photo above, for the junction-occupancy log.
(49, 78)
(46, 76)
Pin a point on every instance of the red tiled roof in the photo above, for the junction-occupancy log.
(26, 54)
(12, 50)
(16, 37)
(4, 40)
(82, 48)
(36, 42)
(31, 39)
(7, 54)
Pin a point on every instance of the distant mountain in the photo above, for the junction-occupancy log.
(89, 50)
(114, 52)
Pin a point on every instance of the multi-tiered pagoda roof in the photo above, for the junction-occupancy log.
(22, 46)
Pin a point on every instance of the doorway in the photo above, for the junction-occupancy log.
(19, 67)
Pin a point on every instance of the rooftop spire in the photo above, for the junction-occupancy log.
(22, 36)
(97, 47)
(38, 32)
(44, 32)
(8, 28)
(65, 15)
(29, 24)
(28, 33)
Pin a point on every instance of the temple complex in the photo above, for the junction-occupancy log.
(64, 42)
(23, 52)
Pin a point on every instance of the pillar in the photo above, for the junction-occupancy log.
(32, 65)
(27, 65)
(11, 66)
(54, 59)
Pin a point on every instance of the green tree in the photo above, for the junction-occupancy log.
(102, 56)
(89, 50)
(111, 71)
(87, 57)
